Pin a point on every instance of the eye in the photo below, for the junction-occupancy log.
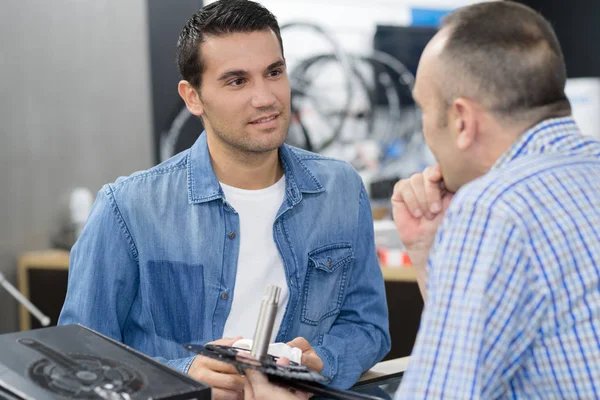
(276, 72)
(237, 82)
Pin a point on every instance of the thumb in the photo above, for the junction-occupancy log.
(226, 341)
(300, 343)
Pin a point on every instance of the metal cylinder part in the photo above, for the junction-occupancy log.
(266, 320)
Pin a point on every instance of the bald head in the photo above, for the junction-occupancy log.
(504, 56)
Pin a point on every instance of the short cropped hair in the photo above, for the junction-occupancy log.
(504, 55)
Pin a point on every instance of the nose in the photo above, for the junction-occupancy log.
(262, 95)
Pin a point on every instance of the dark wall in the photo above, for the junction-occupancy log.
(577, 25)
(165, 20)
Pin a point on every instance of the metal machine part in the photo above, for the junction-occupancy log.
(82, 375)
(266, 320)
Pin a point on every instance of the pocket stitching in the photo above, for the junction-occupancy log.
(322, 249)
(343, 263)
(334, 267)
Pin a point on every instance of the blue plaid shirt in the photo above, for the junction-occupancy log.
(513, 291)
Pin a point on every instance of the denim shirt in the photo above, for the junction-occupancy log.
(155, 265)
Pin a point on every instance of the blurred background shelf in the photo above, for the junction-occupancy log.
(401, 274)
(42, 278)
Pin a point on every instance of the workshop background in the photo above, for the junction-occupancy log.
(88, 93)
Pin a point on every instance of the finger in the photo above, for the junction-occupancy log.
(216, 366)
(398, 191)
(303, 395)
(433, 173)
(409, 199)
(433, 193)
(256, 378)
(434, 188)
(283, 361)
(245, 354)
(312, 361)
(263, 389)
(300, 343)
(257, 385)
(222, 394)
(248, 391)
(226, 341)
(417, 183)
(222, 381)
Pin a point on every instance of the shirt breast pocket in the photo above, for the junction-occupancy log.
(325, 283)
(175, 296)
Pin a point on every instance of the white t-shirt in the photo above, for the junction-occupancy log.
(259, 262)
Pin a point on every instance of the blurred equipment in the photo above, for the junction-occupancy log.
(341, 99)
(390, 250)
(405, 43)
(44, 320)
(358, 107)
(75, 362)
(74, 209)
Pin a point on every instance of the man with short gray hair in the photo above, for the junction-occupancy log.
(505, 231)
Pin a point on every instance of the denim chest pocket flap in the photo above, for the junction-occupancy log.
(326, 281)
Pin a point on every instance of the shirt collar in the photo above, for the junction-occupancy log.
(203, 185)
(537, 139)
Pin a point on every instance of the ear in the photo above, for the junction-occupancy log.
(191, 97)
(465, 123)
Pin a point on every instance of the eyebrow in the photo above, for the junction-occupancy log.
(240, 72)
(231, 74)
(276, 64)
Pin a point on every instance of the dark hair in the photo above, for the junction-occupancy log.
(220, 18)
(506, 56)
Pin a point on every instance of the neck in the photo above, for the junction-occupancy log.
(508, 130)
(499, 137)
(244, 170)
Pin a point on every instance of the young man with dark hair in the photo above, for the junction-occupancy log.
(182, 253)
(505, 232)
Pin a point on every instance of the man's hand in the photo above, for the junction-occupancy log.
(226, 382)
(419, 204)
(309, 355)
(258, 387)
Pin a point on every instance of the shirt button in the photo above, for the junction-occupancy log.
(224, 296)
(231, 235)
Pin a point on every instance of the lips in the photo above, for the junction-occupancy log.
(267, 118)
